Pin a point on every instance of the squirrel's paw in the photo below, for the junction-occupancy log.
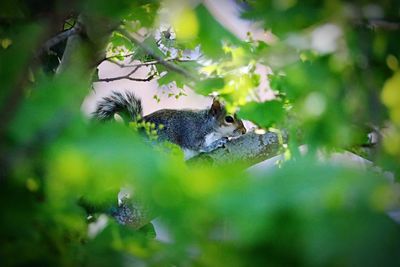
(221, 142)
(214, 145)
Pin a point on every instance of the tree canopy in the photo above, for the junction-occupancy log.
(334, 77)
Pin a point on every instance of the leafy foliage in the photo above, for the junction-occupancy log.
(61, 174)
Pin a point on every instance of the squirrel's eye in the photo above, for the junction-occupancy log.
(229, 119)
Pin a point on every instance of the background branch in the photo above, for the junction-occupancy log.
(109, 59)
(385, 25)
(128, 76)
(374, 24)
(148, 63)
(136, 67)
(75, 30)
(160, 60)
(149, 78)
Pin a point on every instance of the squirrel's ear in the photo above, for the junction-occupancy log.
(216, 107)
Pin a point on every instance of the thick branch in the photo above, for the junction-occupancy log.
(77, 29)
(91, 41)
(247, 149)
(73, 43)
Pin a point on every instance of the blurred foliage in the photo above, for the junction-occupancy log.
(334, 77)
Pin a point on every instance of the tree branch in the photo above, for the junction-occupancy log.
(93, 38)
(149, 78)
(112, 61)
(382, 24)
(374, 24)
(160, 60)
(247, 150)
(148, 63)
(136, 67)
(128, 76)
(75, 30)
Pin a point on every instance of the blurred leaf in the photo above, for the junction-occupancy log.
(144, 11)
(391, 97)
(14, 59)
(53, 102)
(61, 174)
(108, 9)
(11, 9)
(310, 207)
(298, 15)
(208, 86)
(170, 77)
(117, 39)
(186, 25)
(212, 34)
(264, 114)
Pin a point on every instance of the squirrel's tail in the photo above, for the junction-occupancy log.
(125, 104)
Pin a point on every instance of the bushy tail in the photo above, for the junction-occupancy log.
(125, 104)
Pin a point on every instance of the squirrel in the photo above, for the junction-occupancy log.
(195, 131)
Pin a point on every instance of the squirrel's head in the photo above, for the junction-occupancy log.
(228, 124)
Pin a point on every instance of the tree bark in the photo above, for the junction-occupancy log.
(91, 40)
(247, 150)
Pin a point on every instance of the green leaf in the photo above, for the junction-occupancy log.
(116, 9)
(208, 86)
(69, 23)
(170, 77)
(117, 39)
(144, 12)
(15, 59)
(212, 34)
(264, 114)
(148, 230)
(151, 43)
(54, 102)
(298, 14)
(95, 75)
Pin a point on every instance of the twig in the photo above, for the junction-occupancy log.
(385, 25)
(148, 63)
(136, 67)
(149, 78)
(128, 77)
(160, 60)
(374, 24)
(111, 57)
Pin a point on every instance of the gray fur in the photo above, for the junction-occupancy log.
(125, 104)
(186, 128)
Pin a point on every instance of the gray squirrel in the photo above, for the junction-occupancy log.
(195, 131)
